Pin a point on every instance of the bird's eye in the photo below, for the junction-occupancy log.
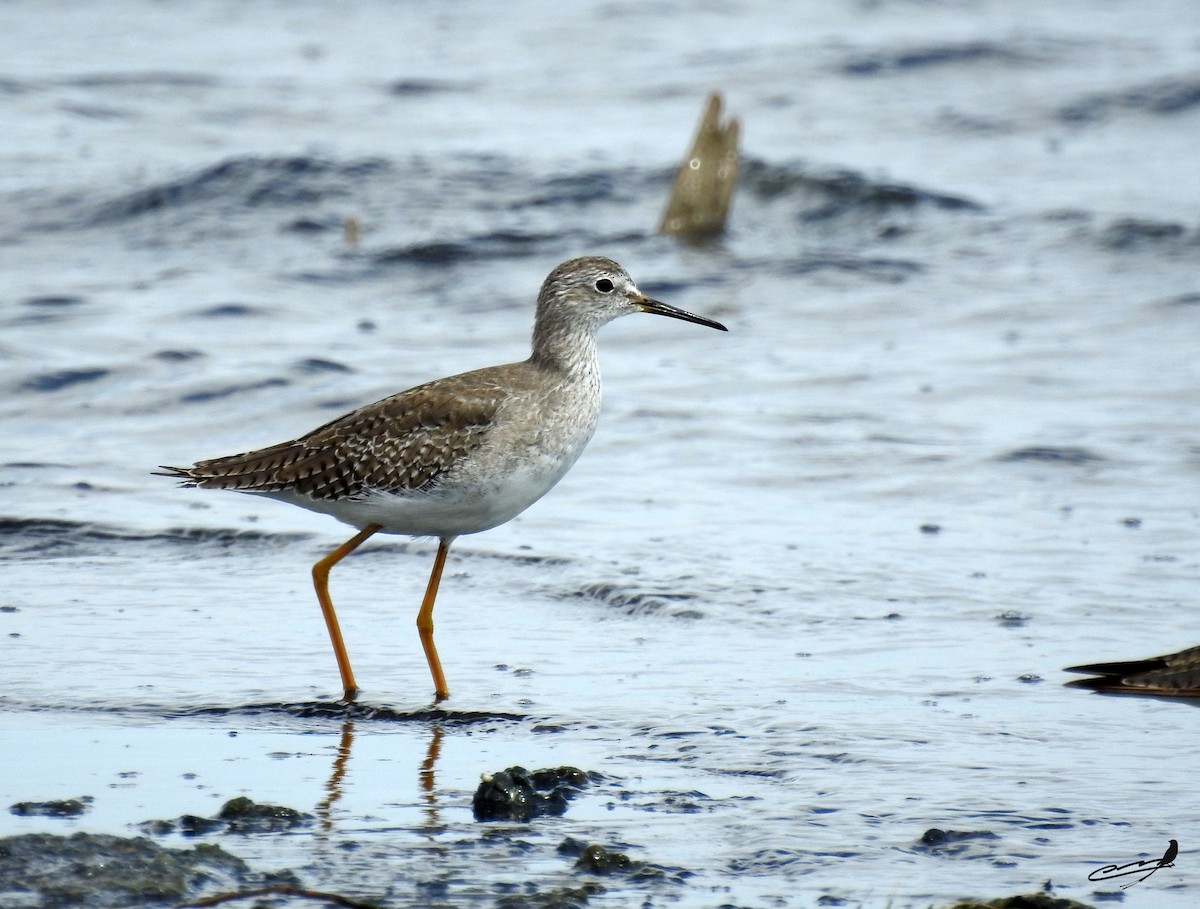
(604, 285)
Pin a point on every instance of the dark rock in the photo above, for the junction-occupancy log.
(57, 808)
(951, 842)
(246, 816)
(596, 859)
(558, 898)
(593, 858)
(192, 825)
(100, 870)
(238, 815)
(516, 794)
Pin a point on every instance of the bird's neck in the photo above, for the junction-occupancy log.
(566, 349)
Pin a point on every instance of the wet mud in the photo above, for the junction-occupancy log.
(99, 871)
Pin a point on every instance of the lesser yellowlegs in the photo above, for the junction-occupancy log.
(454, 456)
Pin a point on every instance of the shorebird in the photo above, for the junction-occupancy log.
(454, 456)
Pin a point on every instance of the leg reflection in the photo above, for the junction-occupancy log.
(427, 780)
(333, 788)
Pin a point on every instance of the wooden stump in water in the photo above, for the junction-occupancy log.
(703, 190)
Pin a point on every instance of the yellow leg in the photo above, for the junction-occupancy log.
(321, 582)
(425, 623)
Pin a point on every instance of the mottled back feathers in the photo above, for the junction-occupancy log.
(404, 443)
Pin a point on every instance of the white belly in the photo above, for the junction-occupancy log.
(454, 510)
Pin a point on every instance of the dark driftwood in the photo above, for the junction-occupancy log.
(1173, 675)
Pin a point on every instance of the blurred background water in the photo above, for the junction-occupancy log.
(809, 592)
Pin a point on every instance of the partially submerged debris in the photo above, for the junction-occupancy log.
(1172, 675)
(703, 190)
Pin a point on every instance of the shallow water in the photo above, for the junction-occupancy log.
(810, 590)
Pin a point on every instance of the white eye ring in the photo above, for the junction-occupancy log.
(604, 285)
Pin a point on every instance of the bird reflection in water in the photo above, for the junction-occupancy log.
(341, 761)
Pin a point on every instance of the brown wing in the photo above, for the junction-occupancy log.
(404, 442)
